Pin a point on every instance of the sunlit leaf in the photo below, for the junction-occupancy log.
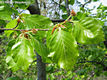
(64, 49)
(20, 55)
(10, 25)
(36, 21)
(88, 31)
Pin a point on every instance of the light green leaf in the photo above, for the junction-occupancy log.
(36, 21)
(64, 49)
(1, 7)
(20, 55)
(88, 31)
(10, 25)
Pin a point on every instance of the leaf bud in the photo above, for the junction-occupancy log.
(73, 13)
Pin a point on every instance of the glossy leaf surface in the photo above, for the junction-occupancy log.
(20, 55)
(88, 31)
(36, 21)
(64, 49)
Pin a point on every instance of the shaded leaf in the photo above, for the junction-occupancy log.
(71, 2)
(40, 48)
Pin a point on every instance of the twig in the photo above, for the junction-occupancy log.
(23, 29)
(16, 26)
(86, 3)
(57, 20)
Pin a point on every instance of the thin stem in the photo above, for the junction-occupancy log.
(86, 3)
(66, 20)
(16, 26)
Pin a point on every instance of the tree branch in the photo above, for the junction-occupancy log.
(57, 20)
(16, 25)
(86, 3)
(67, 7)
(53, 20)
(23, 29)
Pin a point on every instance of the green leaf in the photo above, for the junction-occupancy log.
(1, 7)
(71, 2)
(20, 55)
(40, 48)
(2, 23)
(36, 21)
(13, 78)
(81, 15)
(63, 8)
(88, 31)
(64, 49)
(10, 25)
(95, 0)
(5, 12)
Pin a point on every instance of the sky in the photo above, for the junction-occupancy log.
(90, 5)
(104, 2)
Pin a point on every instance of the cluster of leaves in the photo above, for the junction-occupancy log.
(61, 47)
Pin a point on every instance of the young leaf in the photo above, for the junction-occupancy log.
(10, 25)
(20, 55)
(88, 31)
(64, 49)
(36, 21)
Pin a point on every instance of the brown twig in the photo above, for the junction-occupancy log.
(16, 26)
(57, 20)
(23, 29)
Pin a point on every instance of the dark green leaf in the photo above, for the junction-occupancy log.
(71, 2)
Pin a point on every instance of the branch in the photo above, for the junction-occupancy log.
(16, 25)
(57, 20)
(23, 29)
(67, 7)
(86, 3)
